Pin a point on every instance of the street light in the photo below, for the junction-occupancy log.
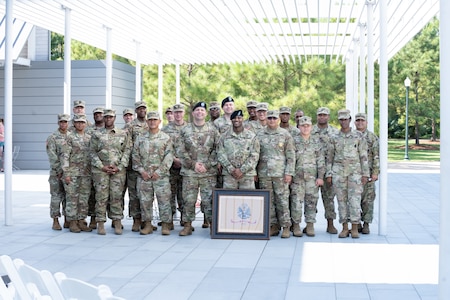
(407, 85)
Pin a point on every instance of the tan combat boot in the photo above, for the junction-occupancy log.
(296, 230)
(66, 223)
(187, 230)
(165, 230)
(101, 228)
(310, 229)
(286, 232)
(344, 233)
(365, 229)
(56, 225)
(148, 228)
(83, 227)
(93, 223)
(355, 233)
(330, 227)
(274, 230)
(136, 224)
(118, 228)
(73, 226)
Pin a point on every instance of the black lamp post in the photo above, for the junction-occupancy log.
(407, 85)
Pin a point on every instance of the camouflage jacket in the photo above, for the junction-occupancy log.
(294, 131)
(222, 124)
(174, 131)
(54, 145)
(309, 157)
(277, 153)
(373, 151)
(75, 159)
(135, 128)
(323, 134)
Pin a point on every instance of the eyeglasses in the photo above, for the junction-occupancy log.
(272, 118)
(359, 120)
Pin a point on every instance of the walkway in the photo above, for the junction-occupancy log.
(401, 265)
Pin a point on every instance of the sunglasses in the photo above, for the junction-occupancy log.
(272, 118)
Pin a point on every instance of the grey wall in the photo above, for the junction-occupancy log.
(38, 99)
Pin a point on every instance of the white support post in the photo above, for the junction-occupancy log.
(160, 86)
(370, 67)
(67, 60)
(138, 78)
(362, 69)
(177, 81)
(108, 62)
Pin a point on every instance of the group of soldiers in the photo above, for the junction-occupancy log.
(92, 165)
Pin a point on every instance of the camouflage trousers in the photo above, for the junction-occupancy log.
(191, 187)
(367, 201)
(91, 201)
(279, 203)
(304, 191)
(176, 188)
(328, 194)
(57, 196)
(348, 191)
(77, 197)
(247, 182)
(134, 207)
(109, 194)
(147, 191)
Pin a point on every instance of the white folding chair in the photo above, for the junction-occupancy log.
(8, 266)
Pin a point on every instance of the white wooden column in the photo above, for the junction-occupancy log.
(370, 67)
(362, 69)
(67, 60)
(108, 62)
(160, 85)
(138, 77)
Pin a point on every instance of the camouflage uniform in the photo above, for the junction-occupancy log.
(277, 159)
(309, 165)
(323, 135)
(76, 164)
(109, 147)
(153, 153)
(238, 150)
(176, 180)
(222, 124)
(346, 164)
(198, 144)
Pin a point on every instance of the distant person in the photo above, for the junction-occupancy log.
(128, 115)
(285, 117)
(169, 114)
(251, 110)
(223, 123)
(298, 114)
(214, 111)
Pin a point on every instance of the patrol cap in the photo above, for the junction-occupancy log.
(252, 103)
(169, 109)
(360, 116)
(285, 110)
(77, 103)
(80, 118)
(127, 111)
(226, 100)
(63, 117)
(109, 112)
(236, 113)
(178, 107)
(139, 104)
(304, 121)
(323, 111)
(200, 104)
(213, 105)
(98, 110)
(262, 106)
(153, 115)
(344, 114)
(273, 114)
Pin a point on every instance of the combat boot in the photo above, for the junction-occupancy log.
(360, 227)
(56, 225)
(73, 226)
(310, 229)
(205, 222)
(296, 230)
(93, 223)
(344, 233)
(66, 223)
(274, 230)
(187, 230)
(148, 228)
(171, 226)
(365, 229)
(330, 227)
(136, 224)
(286, 232)
(165, 230)
(118, 228)
(83, 227)
(101, 228)
(355, 233)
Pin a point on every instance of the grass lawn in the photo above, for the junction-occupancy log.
(425, 151)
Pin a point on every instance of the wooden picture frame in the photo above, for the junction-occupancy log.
(240, 214)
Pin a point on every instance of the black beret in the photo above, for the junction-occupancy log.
(236, 113)
(199, 104)
(226, 100)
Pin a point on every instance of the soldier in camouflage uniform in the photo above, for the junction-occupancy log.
(176, 180)
(261, 113)
(275, 170)
(223, 123)
(251, 110)
(128, 115)
(373, 157)
(322, 130)
(285, 116)
(110, 150)
(79, 108)
(197, 152)
(77, 175)
(238, 154)
(214, 111)
(347, 172)
(298, 114)
(54, 145)
(309, 173)
(135, 128)
(169, 114)
(152, 158)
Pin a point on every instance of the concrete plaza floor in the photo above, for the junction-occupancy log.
(401, 265)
